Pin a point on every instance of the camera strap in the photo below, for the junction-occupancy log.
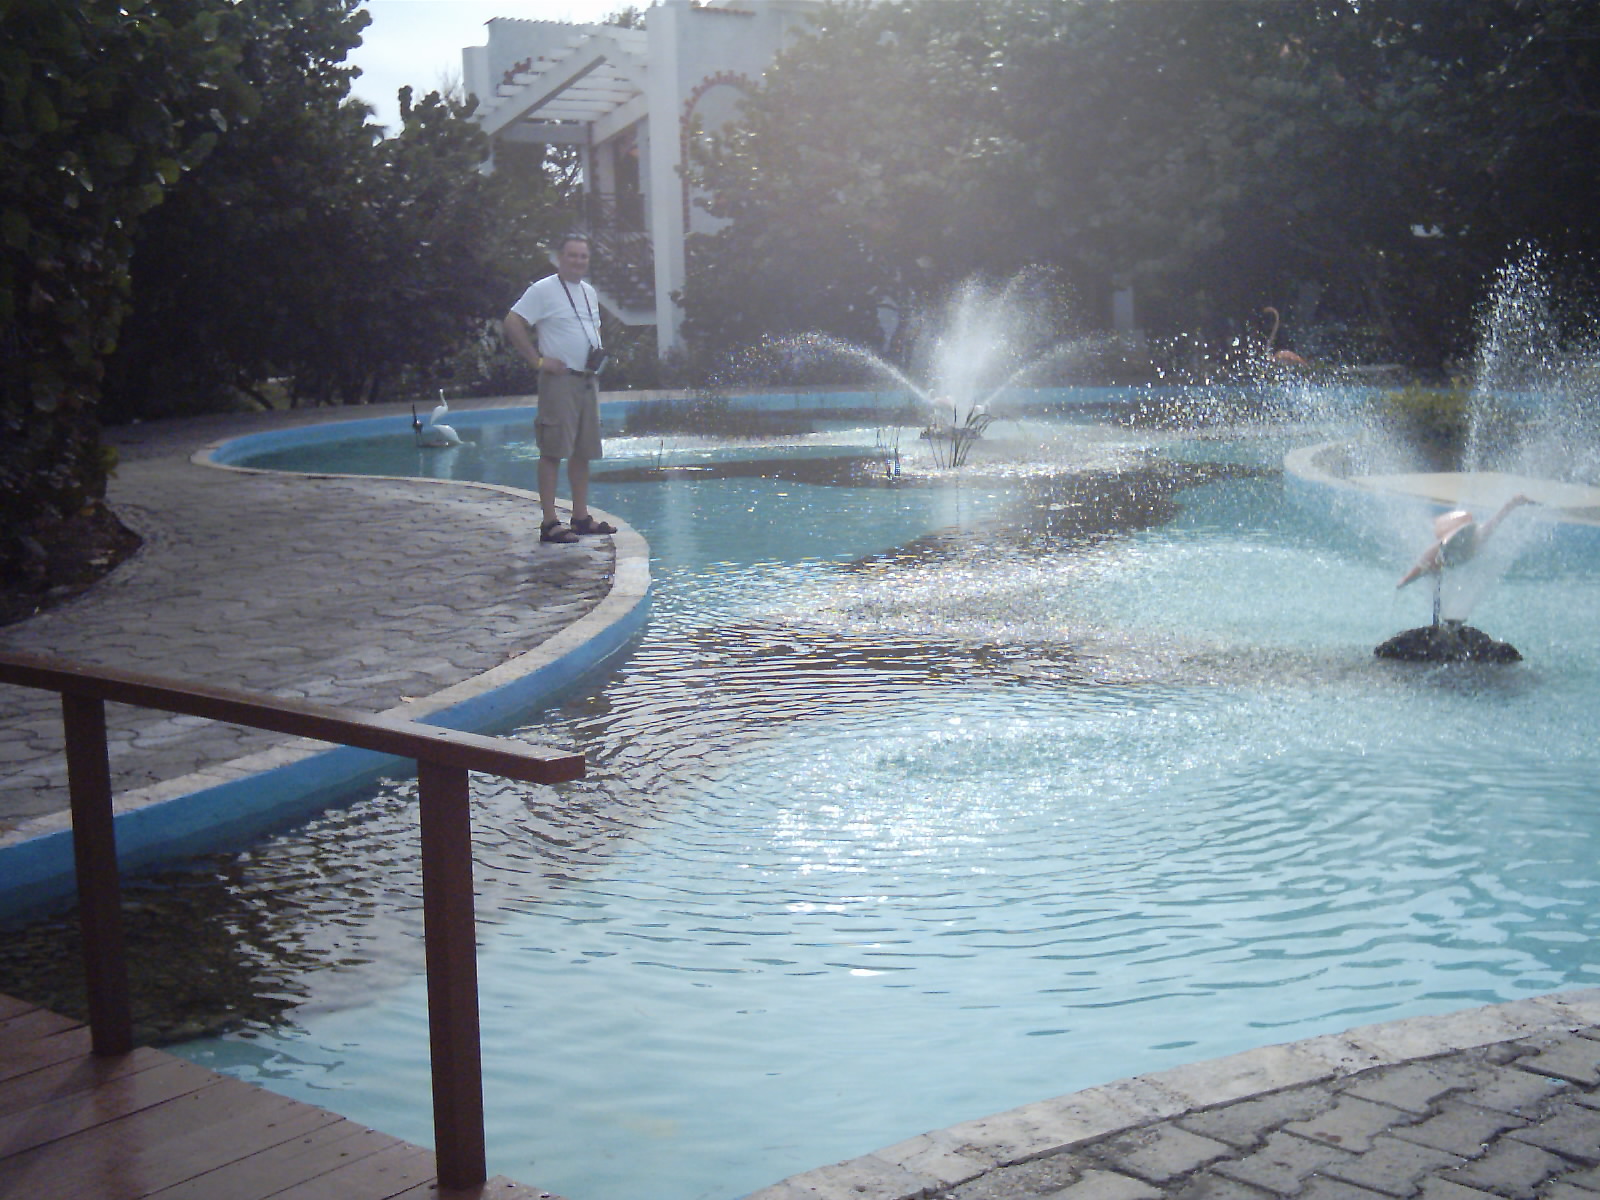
(592, 319)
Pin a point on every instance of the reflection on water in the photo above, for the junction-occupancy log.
(888, 888)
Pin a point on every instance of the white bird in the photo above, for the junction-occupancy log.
(435, 432)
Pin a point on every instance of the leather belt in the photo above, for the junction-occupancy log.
(580, 374)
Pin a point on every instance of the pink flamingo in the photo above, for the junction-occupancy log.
(1284, 358)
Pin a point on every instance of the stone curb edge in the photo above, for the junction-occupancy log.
(1309, 471)
(230, 802)
(929, 1163)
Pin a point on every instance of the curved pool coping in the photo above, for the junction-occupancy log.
(1310, 471)
(617, 407)
(230, 803)
(930, 1163)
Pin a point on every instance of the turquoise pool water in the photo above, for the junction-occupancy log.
(878, 841)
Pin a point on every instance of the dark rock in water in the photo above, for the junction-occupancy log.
(1447, 642)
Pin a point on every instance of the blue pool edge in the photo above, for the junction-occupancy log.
(228, 804)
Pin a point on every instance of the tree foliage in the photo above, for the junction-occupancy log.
(877, 200)
(210, 266)
(188, 194)
(1379, 159)
(104, 106)
(312, 252)
(191, 206)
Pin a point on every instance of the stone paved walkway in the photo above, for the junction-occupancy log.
(365, 593)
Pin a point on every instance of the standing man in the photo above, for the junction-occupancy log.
(556, 327)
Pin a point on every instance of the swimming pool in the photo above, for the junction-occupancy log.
(885, 831)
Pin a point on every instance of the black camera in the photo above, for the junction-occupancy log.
(596, 360)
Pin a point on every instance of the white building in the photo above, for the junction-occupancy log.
(630, 100)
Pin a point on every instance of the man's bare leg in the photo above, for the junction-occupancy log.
(549, 477)
(578, 477)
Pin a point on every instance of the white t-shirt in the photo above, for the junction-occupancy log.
(561, 332)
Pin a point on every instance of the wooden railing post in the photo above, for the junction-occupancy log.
(94, 849)
(443, 758)
(452, 956)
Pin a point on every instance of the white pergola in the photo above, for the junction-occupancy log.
(615, 93)
(585, 93)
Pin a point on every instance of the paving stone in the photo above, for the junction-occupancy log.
(935, 1156)
(1107, 1185)
(1510, 1168)
(1392, 1166)
(868, 1175)
(1161, 1152)
(1042, 1177)
(1412, 1086)
(1239, 1076)
(1008, 1138)
(1284, 1163)
(1095, 1112)
(1463, 1129)
(1343, 1053)
(848, 1181)
(1589, 1178)
(1513, 1090)
(1444, 1189)
(1209, 1186)
(1247, 1122)
(1570, 1057)
(283, 612)
(1429, 1036)
(1337, 1189)
(1351, 1123)
(1568, 1129)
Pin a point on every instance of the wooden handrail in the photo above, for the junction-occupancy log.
(347, 727)
(443, 756)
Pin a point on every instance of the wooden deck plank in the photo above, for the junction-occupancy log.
(10, 1007)
(290, 1162)
(149, 1126)
(498, 1188)
(70, 1076)
(130, 1167)
(35, 1023)
(137, 1153)
(21, 1057)
(116, 1101)
(392, 1170)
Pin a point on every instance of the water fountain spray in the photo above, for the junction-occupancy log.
(1519, 359)
(983, 342)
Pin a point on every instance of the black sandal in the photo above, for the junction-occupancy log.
(587, 524)
(554, 531)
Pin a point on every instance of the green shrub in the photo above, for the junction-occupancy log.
(1434, 422)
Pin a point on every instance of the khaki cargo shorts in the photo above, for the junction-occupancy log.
(568, 424)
